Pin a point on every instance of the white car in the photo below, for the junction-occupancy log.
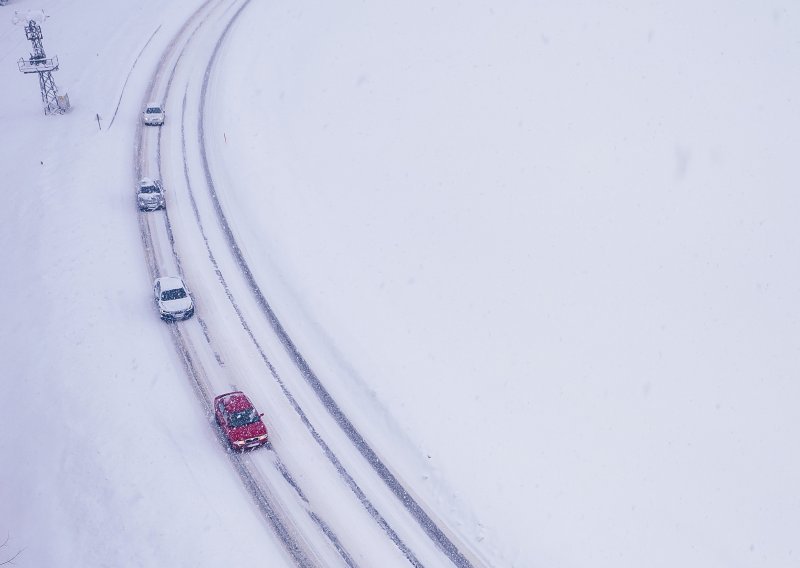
(154, 114)
(172, 298)
(150, 195)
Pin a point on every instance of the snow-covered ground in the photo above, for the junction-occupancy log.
(544, 257)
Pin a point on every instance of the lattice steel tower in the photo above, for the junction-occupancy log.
(44, 66)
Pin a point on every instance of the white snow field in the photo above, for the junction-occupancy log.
(544, 258)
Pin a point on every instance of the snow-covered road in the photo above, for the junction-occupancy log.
(354, 499)
(542, 257)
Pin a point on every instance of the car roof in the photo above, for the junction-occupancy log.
(235, 401)
(154, 105)
(169, 282)
(146, 182)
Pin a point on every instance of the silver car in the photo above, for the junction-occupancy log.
(154, 114)
(150, 195)
(172, 298)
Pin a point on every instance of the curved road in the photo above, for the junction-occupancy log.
(332, 500)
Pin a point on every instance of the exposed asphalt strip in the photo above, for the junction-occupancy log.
(415, 509)
(194, 371)
(389, 479)
(323, 526)
(199, 383)
(374, 513)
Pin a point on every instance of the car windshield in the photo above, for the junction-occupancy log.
(153, 110)
(148, 189)
(242, 418)
(175, 294)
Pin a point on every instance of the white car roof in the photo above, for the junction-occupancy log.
(146, 182)
(169, 282)
(155, 105)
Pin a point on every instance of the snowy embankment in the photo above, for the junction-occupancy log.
(545, 256)
(555, 247)
(107, 458)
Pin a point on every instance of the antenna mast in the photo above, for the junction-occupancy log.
(39, 63)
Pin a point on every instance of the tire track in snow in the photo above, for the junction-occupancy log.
(193, 369)
(327, 531)
(200, 385)
(430, 527)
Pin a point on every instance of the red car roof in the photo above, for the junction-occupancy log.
(235, 401)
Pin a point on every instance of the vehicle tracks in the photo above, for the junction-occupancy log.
(159, 261)
(396, 487)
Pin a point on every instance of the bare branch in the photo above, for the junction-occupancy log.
(10, 560)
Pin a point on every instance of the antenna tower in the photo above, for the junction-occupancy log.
(44, 66)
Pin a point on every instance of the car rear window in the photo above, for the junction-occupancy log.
(176, 294)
